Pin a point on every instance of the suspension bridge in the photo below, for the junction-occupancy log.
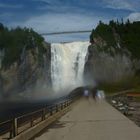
(66, 32)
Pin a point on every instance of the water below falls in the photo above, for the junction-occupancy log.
(67, 65)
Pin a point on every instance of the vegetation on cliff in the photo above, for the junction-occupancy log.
(115, 51)
(127, 35)
(14, 41)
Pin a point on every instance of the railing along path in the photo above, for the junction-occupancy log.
(22, 123)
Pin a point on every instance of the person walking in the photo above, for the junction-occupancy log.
(86, 93)
(94, 93)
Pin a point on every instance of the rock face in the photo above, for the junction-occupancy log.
(103, 67)
(114, 53)
(33, 67)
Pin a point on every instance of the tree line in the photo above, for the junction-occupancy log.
(14, 41)
(127, 34)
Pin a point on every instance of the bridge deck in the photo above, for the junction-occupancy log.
(90, 120)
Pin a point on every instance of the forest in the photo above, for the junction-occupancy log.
(14, 41)
(127, 34)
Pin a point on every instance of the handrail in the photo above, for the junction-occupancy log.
(31, 118)
(29, 113)
(1, 123)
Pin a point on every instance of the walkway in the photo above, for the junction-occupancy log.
(89, 120)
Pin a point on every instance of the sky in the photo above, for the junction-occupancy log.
(46, 16)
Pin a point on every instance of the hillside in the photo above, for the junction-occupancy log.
(24, 59)
(118, 36)
(114, 54)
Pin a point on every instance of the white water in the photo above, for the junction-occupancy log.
(67, 65)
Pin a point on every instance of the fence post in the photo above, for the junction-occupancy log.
(56, 108)
(43, 114)
(14, 129)
(51, 111)
(32, 121)
(65, 104)
(61, 106)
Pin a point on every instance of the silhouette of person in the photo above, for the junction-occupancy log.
(86, 93)
(94, 93)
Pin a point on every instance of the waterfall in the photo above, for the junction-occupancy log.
(67, 65)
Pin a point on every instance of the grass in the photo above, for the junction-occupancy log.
(129, 84)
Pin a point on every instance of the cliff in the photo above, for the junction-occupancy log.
(113, 56)
(24, 62)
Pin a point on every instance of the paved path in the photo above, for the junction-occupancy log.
(89, 120)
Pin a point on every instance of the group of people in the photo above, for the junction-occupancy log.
(96, 94)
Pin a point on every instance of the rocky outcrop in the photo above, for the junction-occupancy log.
(113, 55)
(103, 67)
(32, 68)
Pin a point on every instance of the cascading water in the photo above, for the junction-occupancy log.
(67, 65)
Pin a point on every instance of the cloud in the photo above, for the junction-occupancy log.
(66, 15)
(61, 22)
(44, 0)
(2, 5)
(55, 22)
(122, 4)
(6, 14)
(134, 17)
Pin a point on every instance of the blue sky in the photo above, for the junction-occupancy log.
(64, 15)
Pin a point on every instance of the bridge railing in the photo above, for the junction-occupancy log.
(12, 128)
